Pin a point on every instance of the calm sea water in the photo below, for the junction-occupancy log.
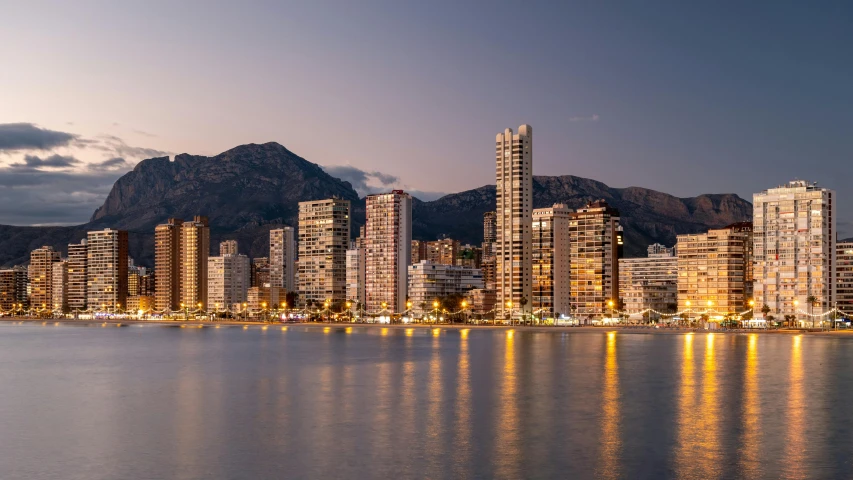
(156, 402)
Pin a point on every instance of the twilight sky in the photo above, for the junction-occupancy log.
(674, 96)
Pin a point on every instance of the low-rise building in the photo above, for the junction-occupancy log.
(430, 281)
(650, 282)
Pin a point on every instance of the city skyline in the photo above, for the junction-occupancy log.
(628, 96)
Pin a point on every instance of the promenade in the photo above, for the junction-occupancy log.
(625, 329)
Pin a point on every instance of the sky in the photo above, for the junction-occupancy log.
(682, 97)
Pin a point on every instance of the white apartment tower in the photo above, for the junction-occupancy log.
(356, 272)
(551, 259)
(513, 215)
(283, 258)
(60, 287)
(388, 251)
(227, 280)
(324, 229)
(77, 254)
(794, 248)
(107, 270)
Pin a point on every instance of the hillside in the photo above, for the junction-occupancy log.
(250, 189)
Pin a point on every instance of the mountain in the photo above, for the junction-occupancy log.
(251, 189)
(647, 216)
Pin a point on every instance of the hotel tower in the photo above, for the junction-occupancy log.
(513, 245)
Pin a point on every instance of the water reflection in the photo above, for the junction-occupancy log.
(462, 425)
(686, 426)
(507, 448)
(434, 397)
(610, 435)
(708, 439)
(750, 445)
(795, 412)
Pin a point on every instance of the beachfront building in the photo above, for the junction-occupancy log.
(551, 260)
(650, 282)
(794, 249)
(513, 219)
(595, 239)
(429, 282)
(388, 243)
(324, 236)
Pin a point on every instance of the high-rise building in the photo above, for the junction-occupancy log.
(430, 281)
(324, 235)
(419, 251)
(228, 280)
(444, 251)
(388, 243)
(13, 288)
(794, 249)
(844, 276)
(283, 258)
(107, 269)
(228, 247)
(713, 270)
(77, 281)
(147, 286)
(59, 293)
(195, 250)
(167, 265)
(490, 233)
(650, 282)
(41, 276)
(551, 259)
(260, 272)
(596, 246)
(355, 274)
(514, 264)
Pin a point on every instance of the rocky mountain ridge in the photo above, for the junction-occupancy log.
(250, 189)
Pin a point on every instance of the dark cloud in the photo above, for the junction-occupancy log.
(362, 181)
(26, 136)
(54, 161)
(33, 197)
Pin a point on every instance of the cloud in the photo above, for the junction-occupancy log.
(115, 163)
(426, 196)
(592, 118)
(362, 181)
(26, 136)
(143, 133)
(54, 161)
(30, 196)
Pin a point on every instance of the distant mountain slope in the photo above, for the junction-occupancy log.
(647, 215)
(251, 189)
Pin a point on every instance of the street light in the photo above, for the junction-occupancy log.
(464, 314)
(610, 304)
(349, 309)
(328, 312)
(796, 312)
(687, 320)
(509, 306)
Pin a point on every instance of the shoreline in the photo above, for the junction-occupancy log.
(640, 330)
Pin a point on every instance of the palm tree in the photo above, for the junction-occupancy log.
(811, 299)
(523, 302)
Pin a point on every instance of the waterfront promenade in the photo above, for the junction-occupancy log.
(627, 329)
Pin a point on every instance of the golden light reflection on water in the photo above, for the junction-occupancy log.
(686, 427)
(708, 437)
(750, 450)
(434, 446)
(794, 464)
(508, 450)
(611, 440)
(462, 426)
